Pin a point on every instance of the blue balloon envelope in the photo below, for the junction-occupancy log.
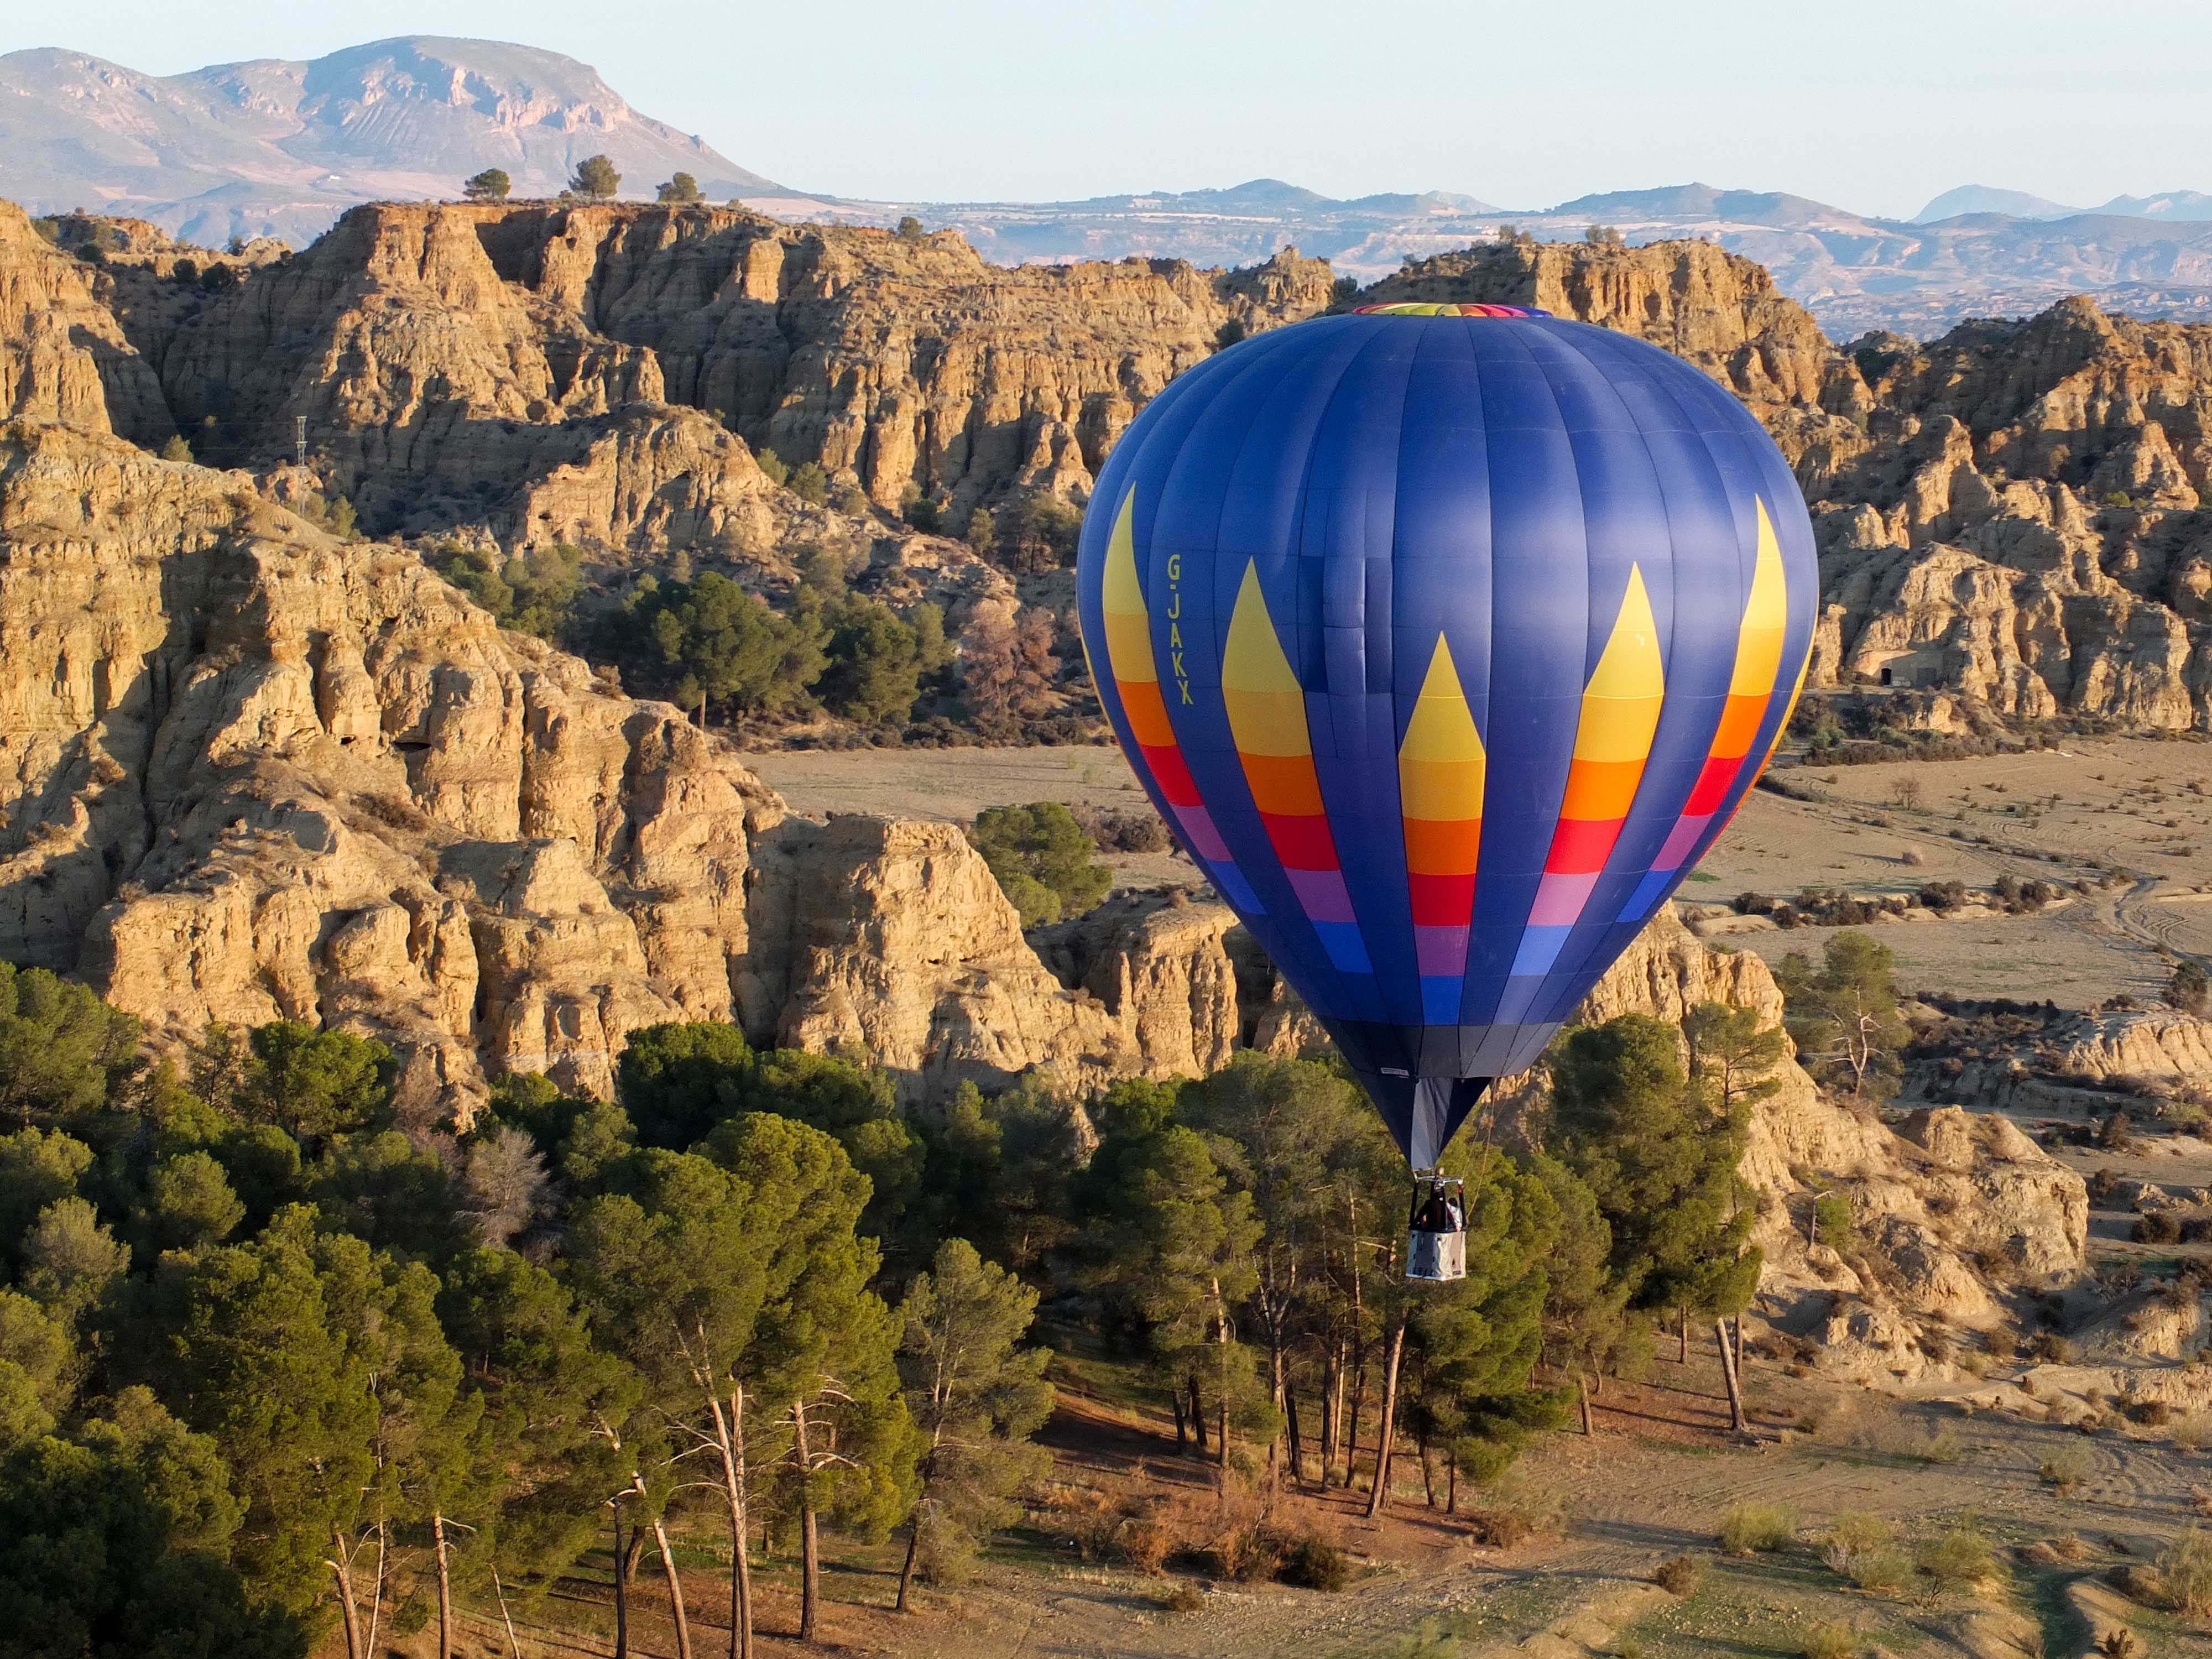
(1446, 640)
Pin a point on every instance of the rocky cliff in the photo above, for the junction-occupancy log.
(432, 348)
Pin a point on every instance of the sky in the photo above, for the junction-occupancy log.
(1872, 104)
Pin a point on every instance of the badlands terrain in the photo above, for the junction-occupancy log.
(261, 762)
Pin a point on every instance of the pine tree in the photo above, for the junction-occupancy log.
(595, 178)
(1660, 1155)
(975, 1397)
(492, 185)
(257, 1364)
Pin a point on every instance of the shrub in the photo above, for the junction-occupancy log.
(772, 465)
(2151, 1414)
(1751, 1527)
(1145, 1543)
(1881, 1571)
(1185, 1597)
(1863, 1549)
(2187, 1570)
(1855, 1531)
(2190, 987)
(2158, 1227)
(2146, 1584)
(2066, 1467)
(1830, 1642)
(1118, 829)
(1959, 1557)
(1312, 1562)
(1680, 1575)
(809, 482)
(2052, 1347)
(1520, 1513)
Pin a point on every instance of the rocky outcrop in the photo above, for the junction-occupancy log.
(420, 342)
(2155, 1043)
(254, 773)
(63, 357)
(1716, 310)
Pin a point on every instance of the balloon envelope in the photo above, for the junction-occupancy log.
(1445, 640)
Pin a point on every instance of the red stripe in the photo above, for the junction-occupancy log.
(1302, 842)
(1581, 845)
(1712, 783)
(1172, 775)
(1441, 900)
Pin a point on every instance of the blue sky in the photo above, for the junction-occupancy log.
(1875, 104)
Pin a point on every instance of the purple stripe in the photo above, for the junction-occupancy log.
(1560, 899)
(1441, 952)
(1197, 824)
(1679, 843)
(1322, 893)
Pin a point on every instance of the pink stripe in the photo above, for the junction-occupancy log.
(1440, 951)
(1678, 844)
(1322, 893)
(1197, 824)
(1560, 898)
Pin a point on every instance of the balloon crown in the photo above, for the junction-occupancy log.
(1469, 308)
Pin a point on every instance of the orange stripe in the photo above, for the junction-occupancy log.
(1739, 726)
(1599, 790)
(1442, 847)
(1283, 784)
(1147, 712)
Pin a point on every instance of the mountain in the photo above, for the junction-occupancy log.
(2173, 204)
(1983, 199)
(1363, 236)
(275, 148)
(1989, 252)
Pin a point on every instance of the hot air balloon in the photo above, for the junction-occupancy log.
(1446, 639)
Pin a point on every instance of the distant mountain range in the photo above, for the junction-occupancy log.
(2151, 255)
(2019, 204)
(277, 147)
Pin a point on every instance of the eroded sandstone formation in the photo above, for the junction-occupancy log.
(434, 350)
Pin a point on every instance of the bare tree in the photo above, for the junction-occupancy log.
(506, 1183)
